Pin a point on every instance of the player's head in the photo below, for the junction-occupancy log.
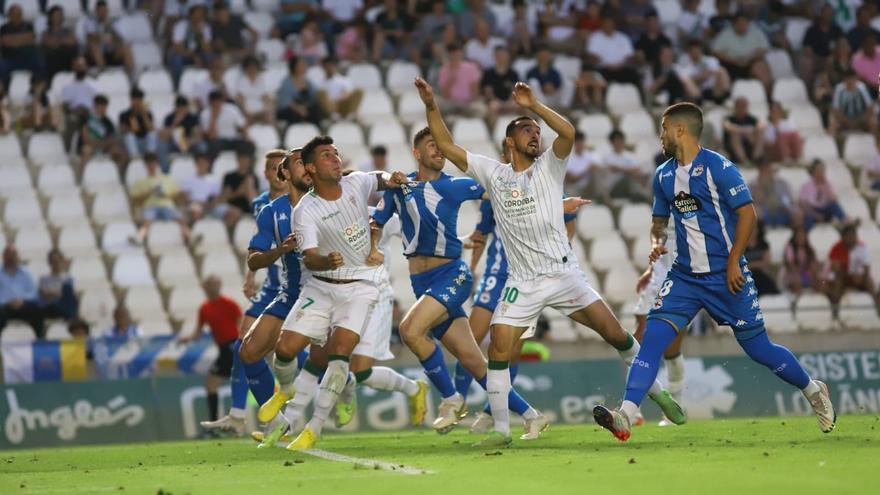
(244, 154)
(817, 170)
(273, 159)
(321, 160)
(212, 286)
(10, 256)
(292, 169)
(681, 123)
(426, 152)
(151, 162)
(523, 136)
(849, 234)
(505, 152)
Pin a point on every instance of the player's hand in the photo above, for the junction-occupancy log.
(335, 260)
(375, 258)
(523, 95)
(249, 288)
(573, 204)
(397, 179)
(289, 243)
(644, 280)
(474, 240)
(735, 279)
(656, 253)
(185, 339)
(426, 92)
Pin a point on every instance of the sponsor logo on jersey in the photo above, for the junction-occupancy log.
(737, 189)
(687, 205)
(698, 171)
(356, 235)
(329, 216)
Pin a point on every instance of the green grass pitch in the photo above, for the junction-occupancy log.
(741, 456)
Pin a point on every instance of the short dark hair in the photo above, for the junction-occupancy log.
(285, 163)
(508, 131)
(202, 155)
(150, 157)
(291, 63)
(100, 3)
(101, 100)
(181, 101)
(690, 114)
(693, 42)
(215, 95)
(578, 135)
(453, 47)
(420, 136)
(249, 61)
(616, 134)
(308, 151)
(740, 14)
(245, 148)
(136, 92)
(379, 149)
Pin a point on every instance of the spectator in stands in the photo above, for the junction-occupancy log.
(667, 80)
(580, 174)
(856, 36)
(743, 134)
(559, 19)
(352, 45)
(297, 97)
(852, 108)
(123, 327)
(612, 52)
(77, 97)
(459, 81)
(849, 266)
(157, 195)
(818, 43)
(432, 24)
(801, 266)
(136, 125)
(481, 48)
(191, 42)
(224, 125)
(590, 90)
(466, 19)
(722, 18)
(241, 186)
(214, 82)
(378, 160)
(545, 77)
(623, 178)
(292, 16)
(647, 48)
(230, 34)
(497, 85)
(5, 120)
(339, 13)
(590, 19)
(634, 15)
(741, 48)
(309, 43)
(866, 61)
(252, 94)
(772, 23)
(692, 22)
(818, 201)
(705, 72)
(872, 171)
(97, 135)
(204, 197)
(773, 198)
(391, 32)
(38, 111)
(79, 330)
(57, 296)
(18, 293)
(521, 30)
(104, 44)
(338, 97)
(782, 142)
(758, 254)
(180, 133)
(222, 316)
(19, 45)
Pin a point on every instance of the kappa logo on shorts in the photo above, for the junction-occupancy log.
(740, 323)
(452, 290)
(759, 316)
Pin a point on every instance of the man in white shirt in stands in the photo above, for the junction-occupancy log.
(705, 72)
(339, 98)
(583, 165)
(481, 48)
(224, 125)
(623, 177)
(613, 52)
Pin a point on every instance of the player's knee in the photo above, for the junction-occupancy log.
(409, 331)
(500, 351)
(246, 352)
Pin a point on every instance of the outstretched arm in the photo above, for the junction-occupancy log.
(525, 98)
(456, 154)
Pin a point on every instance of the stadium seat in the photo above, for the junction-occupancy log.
(386, 132)
(72, 8)
(469, 130)
(274, 74)
(299, 134)
(209, 231)
(346, 134)
(561, 327)
(86, 268)
(242, 234)
(221, 263)
(620, 283)
(147, 55)
(11, 152)
(634, 219)
(753, 91)
(111, 82)
(859, 149)
(806, 120)
(17, 331)
(401, 76)
(65, 208)
(637, 126)
(522, 66)
(778, 240)
(608, 251)
(813, 313)
(795, 177)
(161, 105)
(822, 237)
(376, 106)
(14, 179)
(117, 105)
(77, 240)
(54, 179)
(265, 138)
(668, 11)
(143, 302)
(857, 311)
(182, 168)
(155, 326)
(33, 238)
(641, 247)
(46, 148)
(191, 78)
(163, 236)
(175, 267)
(822, 147)
(100, 173)
(224, 163)
(365, 76)
(599, 222)
(855, 206)
(184, 302)
(261, 22)
(569, 67)
(114, 7)
(135, 171)
(132, 269)
(410, 109)
(778, 317)
(57, 330)
(116, 238)
(795, 28)
(623, 98)
(135, 28)
(789, 91)
(780, 64)
(272, 50)
(22, 211)
(19, 87)
(110, 205)
(596, 126)
(59, 81)
(316, 75)
(96, 307)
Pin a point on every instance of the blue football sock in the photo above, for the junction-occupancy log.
(515, 402)
(514, 370)
(238, 381)
(779, 359)
(463, 380)
(643, 371)
(436, 370)
(301, 359)
(260, 380)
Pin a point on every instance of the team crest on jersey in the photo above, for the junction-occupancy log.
(658, 303)
(298, 237)
(687, 205)
(698, 171)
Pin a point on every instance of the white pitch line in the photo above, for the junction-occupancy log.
(371, 463)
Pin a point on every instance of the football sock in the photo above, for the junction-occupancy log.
(382, 378)
(631, 350)
(212, 406)
(285, 372)
(436, 370)
(643, 370)
(779, 359)
(306, 385)
(463, 380)
(260, 380)
(515, 402)
(302, 359)
(328, 391)
(348, 391)
(675, 372)
(498, 389)
(238, 382)
(811, 389)
(514, 370)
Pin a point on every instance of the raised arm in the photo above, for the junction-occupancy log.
(456, 154)
(525, 98)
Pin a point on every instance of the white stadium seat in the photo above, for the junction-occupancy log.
(640, 250)
(265, 138)
(637, 126)
(778, 240)
(100, 173)
(88, 268)
(569, 67)
(795, 29)
(243, 232)
(346, 134)
(620, 283)
(182, 168)
(163, 236)
(386, 132)
(96, 306)
(175, 267)
(261, 22)
(822, 237)
(857, 311)
(19, 87)
(623, 98)
(634, 219)
(33, 238)
(859, 149)
(298, 134)
(155, 326)
(111, 82)
(132, 269)
(522, 66)
(807, 120)
(110, 205)
(135, 171)
(789, 91)
(753, 91)
(116, 238)
(401, 76)
(365, 76)
(190, 80)
(410, 108)
(65, 208)
(14, 179)
(72, 8)
(47, 148)
(17, 331)
(780, 64)
(57, 330)
(820, 146)
(376, 106)
(22, 211)
(224, 163)
(184, 302)
(271, 50)
(813, 313)
(469, 130)
(795, 177)
(855, 207)
(608, 251)
(596, 126)
(143, 302)
(135, 27)
(778, 317)
(221, 263)
(10, 149)
(209, 231)
(597, 223)
(52, 179)
(77, 240)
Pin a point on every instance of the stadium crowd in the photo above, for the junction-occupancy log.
(162, 107)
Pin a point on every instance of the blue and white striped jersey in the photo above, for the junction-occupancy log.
(702, 197)
(273, 226)
(272, 282)
(429, 213)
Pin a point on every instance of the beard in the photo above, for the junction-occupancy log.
(300, 184)
(669, 149)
